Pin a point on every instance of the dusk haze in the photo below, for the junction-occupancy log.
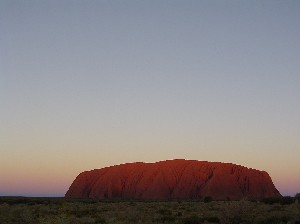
(86, 85)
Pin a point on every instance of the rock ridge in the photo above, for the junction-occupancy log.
(173, 179)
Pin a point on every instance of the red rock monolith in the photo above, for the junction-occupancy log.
(173, 179)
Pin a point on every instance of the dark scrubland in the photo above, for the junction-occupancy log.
(22, 210)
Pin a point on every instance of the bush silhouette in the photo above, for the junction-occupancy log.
(193, 220)
(287, 200)
(208, 199)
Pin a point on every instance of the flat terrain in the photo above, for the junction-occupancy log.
(63, 211)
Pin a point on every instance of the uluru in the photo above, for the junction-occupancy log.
(173, 179)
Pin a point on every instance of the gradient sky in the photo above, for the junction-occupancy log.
(88, 84)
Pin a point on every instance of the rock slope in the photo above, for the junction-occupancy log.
(173, 179)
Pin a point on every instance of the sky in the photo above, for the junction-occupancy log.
(89, 84)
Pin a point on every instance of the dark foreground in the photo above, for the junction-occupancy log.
(64, 211)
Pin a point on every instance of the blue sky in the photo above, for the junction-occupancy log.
(86, 84)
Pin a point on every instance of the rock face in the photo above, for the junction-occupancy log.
(173, 179)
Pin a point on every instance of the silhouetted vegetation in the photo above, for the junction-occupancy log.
(193, 220)
(207, 199)
(287, 200)
(20, 210)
